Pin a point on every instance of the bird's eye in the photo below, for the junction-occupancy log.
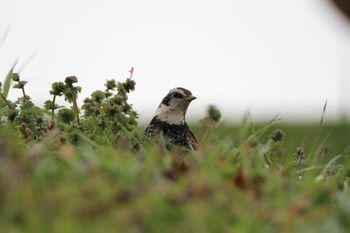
(177, 95)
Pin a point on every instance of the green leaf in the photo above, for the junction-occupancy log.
(17, 86)
(7, 82)
(34, 110)
(88, 140)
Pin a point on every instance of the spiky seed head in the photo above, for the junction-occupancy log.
(277, 135)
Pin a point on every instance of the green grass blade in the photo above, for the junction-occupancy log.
(4, 36)
(323, 113)
(317, 142)
(263, 130)
(323, 173)
(7, 82)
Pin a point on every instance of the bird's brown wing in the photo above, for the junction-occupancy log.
(192, 140)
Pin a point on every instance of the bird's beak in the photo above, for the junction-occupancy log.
(189, 98)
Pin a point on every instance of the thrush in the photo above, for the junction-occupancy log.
(170, 119)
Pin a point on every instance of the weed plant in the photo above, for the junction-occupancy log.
(90, 169)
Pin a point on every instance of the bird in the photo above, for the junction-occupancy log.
(170, 120)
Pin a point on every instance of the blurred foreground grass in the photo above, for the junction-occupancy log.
(91, 169)
(244, 179)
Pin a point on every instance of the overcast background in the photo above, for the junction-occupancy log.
(264, 57)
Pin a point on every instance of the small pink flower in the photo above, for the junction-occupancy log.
(131, 72)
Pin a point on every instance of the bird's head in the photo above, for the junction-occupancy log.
(174, 105)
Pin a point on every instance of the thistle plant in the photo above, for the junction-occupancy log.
(212, 118)
(7, 108)
(71, 94)
(108, 118)
(274, 151)
(58, 89)
(20, 85)
(23, 114)
(108, 112)
(299, 159)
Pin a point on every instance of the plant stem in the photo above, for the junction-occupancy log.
(5, 100)
(24, 93)
(76, 110)
(53, 108)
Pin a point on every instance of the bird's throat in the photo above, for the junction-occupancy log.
(170, 116)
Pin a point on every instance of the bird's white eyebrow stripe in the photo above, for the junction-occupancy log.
(182, 90)
(185, 91)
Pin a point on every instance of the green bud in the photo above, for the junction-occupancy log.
(300, 153)
(129, 85)
(214, 113)
(111, 84)
(57, 88)
(277, 135)
(70, 80)
(15, 77)
(98, 96)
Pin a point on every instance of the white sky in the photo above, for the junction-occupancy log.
(269, 57)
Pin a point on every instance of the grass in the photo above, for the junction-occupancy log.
(58, 174)
(227, 188)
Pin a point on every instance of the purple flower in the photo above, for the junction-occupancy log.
(131, 72)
